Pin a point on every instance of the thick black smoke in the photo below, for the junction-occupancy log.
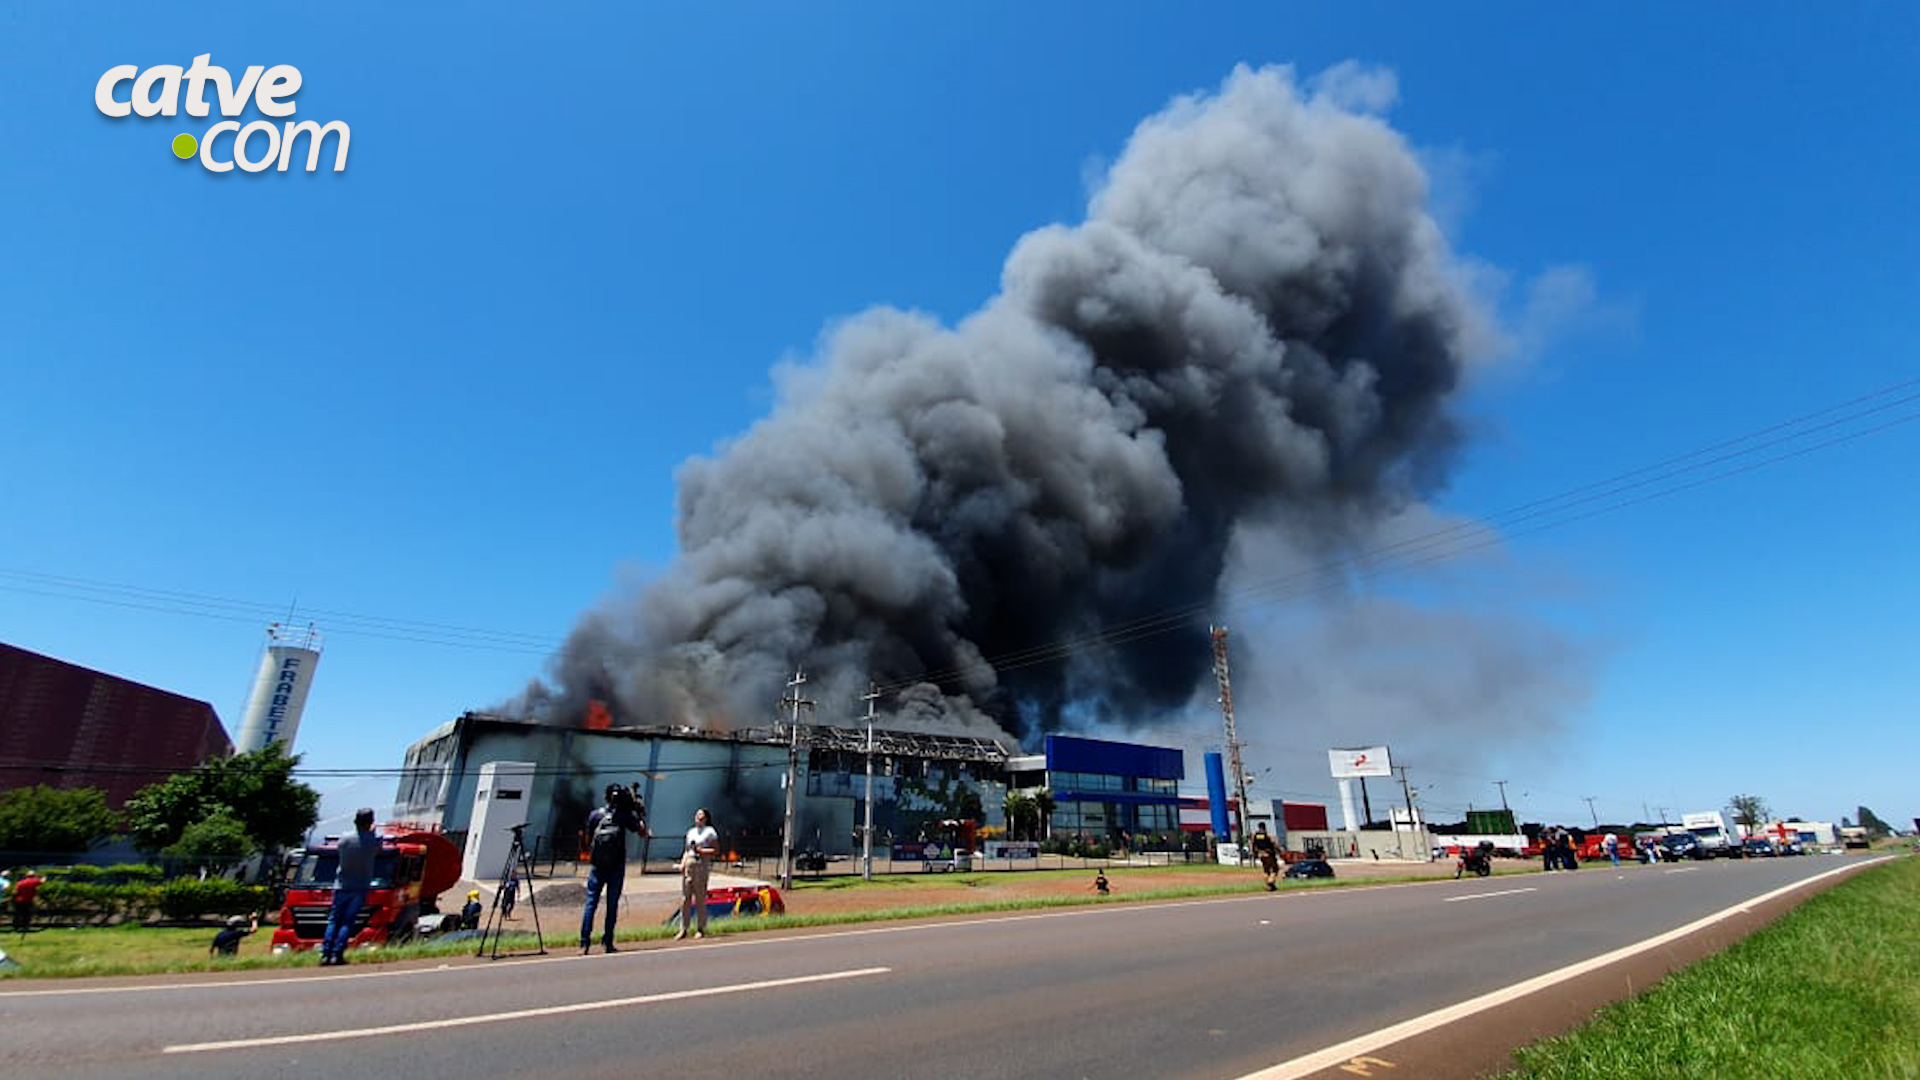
(1257, 322)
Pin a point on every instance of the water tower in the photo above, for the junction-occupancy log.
(280, 689)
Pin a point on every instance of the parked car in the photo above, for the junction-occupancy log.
(1310, 868)
(1758, 847)
(1683, 846)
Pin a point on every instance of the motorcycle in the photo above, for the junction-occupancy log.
(1478, 861)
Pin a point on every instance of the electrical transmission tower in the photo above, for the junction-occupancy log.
(1233, 739)
(797, 702)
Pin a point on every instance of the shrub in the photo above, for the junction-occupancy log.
(91, 904)
(117, 874)
(190, 899)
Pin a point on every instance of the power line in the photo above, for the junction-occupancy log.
(177, 602)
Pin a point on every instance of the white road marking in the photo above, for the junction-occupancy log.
(520, 1014)
(1684, 870)
(1484, 895)
(1312, 1063)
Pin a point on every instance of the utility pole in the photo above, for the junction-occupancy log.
(1502, 785)
(1407, 790)
(866, 831)
(1233, 741)
(794, 699)
(1591, 811)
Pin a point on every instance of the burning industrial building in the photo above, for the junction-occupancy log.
(1027, 516)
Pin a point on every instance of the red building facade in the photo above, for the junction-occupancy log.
(67, 726)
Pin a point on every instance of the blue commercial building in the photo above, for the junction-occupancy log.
(1102, 789)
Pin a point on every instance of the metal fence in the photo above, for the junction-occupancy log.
(768, 867)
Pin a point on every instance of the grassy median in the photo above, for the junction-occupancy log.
(1830, 992)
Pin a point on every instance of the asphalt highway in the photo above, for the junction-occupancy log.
(1214, 988)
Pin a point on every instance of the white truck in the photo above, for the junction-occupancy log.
(1717, 838)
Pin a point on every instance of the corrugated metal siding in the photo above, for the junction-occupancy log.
(68, 726)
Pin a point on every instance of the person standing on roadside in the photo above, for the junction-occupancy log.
(1612, 843)
(350, 884)
(23, 893)
(703, 844)
(607, 830)
(1268, 853)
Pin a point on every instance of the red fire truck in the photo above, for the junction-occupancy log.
(413, 868)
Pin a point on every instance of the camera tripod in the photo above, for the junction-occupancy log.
(520, 860)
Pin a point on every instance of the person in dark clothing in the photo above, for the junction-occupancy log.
(227, 942)
(470, 911)
(350, 884)
(607, 830)
(509, 895)
(1100, 884)
(1268, 853)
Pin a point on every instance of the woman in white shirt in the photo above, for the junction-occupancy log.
(703, 843)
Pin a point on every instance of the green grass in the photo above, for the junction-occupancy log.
(130, 950)
(1830, 992)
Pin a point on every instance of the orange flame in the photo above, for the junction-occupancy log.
(598, 718)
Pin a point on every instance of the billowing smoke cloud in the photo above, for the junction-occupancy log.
(1452, 674)
(1258, 321)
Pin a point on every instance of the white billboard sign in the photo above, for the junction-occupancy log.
(1364, 761)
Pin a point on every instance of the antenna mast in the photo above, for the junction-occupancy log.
(1233, 740)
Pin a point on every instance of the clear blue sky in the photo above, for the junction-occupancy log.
(452, 384)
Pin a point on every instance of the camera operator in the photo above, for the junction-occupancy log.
(607, 830)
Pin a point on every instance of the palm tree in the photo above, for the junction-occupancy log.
(1043, 805)
(1019, 810)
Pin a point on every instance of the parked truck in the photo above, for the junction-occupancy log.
(1717, 839)
(413, 868)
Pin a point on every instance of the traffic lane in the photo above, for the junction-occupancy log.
(591, 980)
(936, 1022)
(303, 988)
(47, 1025)
(41, 1019)
(1166, 940)
(1078, 951)
(1083, 1019)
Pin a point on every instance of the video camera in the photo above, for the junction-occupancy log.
(622, 797)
